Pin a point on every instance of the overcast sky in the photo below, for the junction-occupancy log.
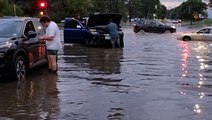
(174, 3)
(171, 3)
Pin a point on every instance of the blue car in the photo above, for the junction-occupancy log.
(75, 31)
(93, 32)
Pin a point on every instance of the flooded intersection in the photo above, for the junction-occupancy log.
(154, 77)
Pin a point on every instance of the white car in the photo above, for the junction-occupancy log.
(201, 34)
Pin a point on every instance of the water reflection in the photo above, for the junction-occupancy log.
(100, 61)
(185, 53)
(21, 89)
(202, 50)
(197, 109)
(34, 98)
(205, 58)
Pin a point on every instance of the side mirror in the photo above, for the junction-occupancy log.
(78, 26)
(31, 34)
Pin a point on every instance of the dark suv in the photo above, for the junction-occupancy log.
(93, 33)
(154, 26)
(19, 46)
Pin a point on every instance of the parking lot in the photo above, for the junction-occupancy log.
(154, 77)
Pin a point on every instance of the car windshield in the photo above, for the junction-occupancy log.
(9, 28)
(159, 23)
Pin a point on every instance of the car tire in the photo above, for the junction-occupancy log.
(19, 68)
(121, 43)
(87, 42)
(186, 38)
(167, 31)
(136, 30)
(142, 31)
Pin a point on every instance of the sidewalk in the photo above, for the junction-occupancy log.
(199, 24)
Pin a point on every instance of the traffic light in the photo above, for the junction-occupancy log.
(41, 13)
(42, 7)
(42, 4)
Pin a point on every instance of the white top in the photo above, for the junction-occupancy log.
(53, 30)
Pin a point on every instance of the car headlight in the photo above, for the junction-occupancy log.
(5, 45)
(173, 27)
(94, 32)
(107, 36)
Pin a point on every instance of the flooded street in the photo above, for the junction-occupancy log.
(154, 77)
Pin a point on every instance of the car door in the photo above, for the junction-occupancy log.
(31, 44)
(155, 27)
(159, 27)
(41, 45)
(207, 35)
(147, 26)
(202, 34)
(73, 31)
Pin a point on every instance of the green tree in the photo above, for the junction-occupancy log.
(187, 10)
(161, 11)
(67, 8)
(145, 8)
(3, 4)
(7, 9)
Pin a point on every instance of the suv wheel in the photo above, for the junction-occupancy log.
(87, 42)
(142, 31)
(136, 30)
(167, 31)
(19, 68)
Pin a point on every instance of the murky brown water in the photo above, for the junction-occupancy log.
(155, 77)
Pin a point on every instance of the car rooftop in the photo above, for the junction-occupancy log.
(208, 27)
(17, 18)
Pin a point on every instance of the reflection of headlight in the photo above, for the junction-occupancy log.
(94, 32)
(6, 45)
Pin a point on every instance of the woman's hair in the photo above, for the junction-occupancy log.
(45, 19)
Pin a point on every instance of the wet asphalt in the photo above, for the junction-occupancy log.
(154, 77)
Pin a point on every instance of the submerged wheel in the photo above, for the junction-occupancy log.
(136, 30)
(142, 31)
(186, 38)
(167, 31)
(87, 42)
(19, 68)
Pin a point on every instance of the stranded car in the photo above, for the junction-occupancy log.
(19, 46)
(154, 26)
(201, 34)
(176, 21)
(94, 32)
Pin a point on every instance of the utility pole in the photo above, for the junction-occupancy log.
(190, 15)
(14, 9)
(130, 10)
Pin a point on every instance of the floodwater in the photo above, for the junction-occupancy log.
(154, 77)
